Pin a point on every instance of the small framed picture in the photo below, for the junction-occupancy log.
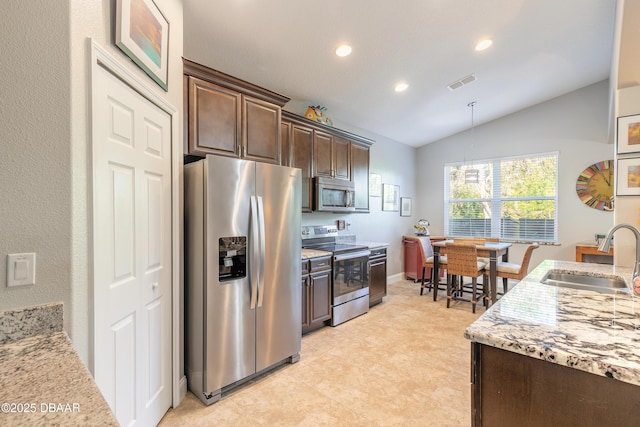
(390, 197)
(142, 32)
(628, 140)
(405, 206)
(375, 186)
(628, 177)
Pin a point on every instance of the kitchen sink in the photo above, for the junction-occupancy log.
(603, 284)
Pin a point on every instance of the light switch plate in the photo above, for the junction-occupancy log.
(21, 269)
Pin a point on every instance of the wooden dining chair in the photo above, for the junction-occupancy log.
(426, 252)
(478, 241)
(509, 270)
(462, 261)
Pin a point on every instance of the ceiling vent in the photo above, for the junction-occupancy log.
(461, 82)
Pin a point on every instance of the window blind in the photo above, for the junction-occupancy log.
(513, 198)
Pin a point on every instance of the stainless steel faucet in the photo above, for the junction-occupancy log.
(606, 244)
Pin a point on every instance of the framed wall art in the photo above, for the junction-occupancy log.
(405, 206)
(142, 32)
(375, 186)
(628, 132)
(628, 177)
(390, 197)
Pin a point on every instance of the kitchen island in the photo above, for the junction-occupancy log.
(544, 354)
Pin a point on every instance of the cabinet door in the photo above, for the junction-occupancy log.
(341, 158)
(377, 280)
(214, 119)
(305, 302)
(285, 144)
(302, 158)
(360, 175)
(320, 297)
(413, 261)
(322, 154)
(260, 130)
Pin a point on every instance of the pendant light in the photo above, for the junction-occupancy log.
(472, 175)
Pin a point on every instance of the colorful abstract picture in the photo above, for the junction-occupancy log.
(146, 31)
(628, 177)
(142, 32)
(633, 176)
(628, 134)
(634, 133)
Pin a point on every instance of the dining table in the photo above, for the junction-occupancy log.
(491, 250)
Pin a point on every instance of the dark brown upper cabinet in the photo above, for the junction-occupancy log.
(360, 175)
(321, 150)
(230, 117)
(297, 152)
(331, 155)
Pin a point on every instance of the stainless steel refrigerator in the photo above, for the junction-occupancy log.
(242, 266)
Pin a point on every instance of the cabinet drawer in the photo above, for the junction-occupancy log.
(305, 267)
(320, 263)
(378, 253)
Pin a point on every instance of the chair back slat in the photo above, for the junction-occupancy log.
(470, 240)
(462, 259)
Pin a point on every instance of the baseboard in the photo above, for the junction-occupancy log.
(182, 388)
(395, 278)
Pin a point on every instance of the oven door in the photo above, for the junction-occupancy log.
(350, 276)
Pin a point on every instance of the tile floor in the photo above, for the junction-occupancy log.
(406, 362)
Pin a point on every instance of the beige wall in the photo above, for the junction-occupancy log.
(45, 155)
(35, 161)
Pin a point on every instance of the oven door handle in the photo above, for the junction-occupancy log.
(351, 255)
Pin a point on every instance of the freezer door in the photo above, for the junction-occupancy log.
(229, 321)
(278, 325)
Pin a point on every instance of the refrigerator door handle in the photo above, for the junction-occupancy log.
(261, 283)
(254, 263)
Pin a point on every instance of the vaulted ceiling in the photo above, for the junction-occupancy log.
(541, 49)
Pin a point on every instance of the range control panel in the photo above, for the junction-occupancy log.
(313, 231)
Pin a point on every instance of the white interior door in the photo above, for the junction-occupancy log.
(132, 251)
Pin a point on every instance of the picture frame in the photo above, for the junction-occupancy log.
(405, 206)
(375, 185)
(142, 32)
(390, 197)
(628, 134)
(628, 177)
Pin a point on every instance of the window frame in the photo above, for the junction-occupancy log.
(496, 200)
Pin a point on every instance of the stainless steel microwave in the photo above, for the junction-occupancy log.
(333, 195)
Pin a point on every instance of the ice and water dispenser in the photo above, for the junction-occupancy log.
(232, 253)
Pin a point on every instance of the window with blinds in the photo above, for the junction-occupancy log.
(512, 198)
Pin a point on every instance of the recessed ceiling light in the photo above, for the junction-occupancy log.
(400, 87)
(484, 44)
(343, 50)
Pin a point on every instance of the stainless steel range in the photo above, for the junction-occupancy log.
(350, 275)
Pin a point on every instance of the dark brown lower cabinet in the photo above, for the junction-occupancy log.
(316, 294)
(377, 275)
(509, 389)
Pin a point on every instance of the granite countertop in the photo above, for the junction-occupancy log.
(586, 330)
(313, 253)
(42, 379)
(372, 245)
